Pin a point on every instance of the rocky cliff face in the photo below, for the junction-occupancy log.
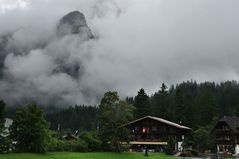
(46, 66)
(74, 23)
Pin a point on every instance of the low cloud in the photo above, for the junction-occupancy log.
(137, 44)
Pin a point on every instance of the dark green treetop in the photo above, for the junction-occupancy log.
(30, 130)
(142, 104)
(113, 114)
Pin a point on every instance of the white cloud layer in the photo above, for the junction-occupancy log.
(12, 4)
(140, 43)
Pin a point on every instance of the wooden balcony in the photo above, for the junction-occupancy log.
(225, 142)
(222, 130)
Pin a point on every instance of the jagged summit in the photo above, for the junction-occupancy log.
(74, 23)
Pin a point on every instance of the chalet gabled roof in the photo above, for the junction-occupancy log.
(232, 122)
(160, 120)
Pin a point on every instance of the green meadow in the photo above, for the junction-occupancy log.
(75, 155)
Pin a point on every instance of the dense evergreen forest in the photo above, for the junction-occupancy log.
(189, 103)
(196, 105)
(82, 118)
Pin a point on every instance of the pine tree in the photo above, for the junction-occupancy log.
(180, 107)
(207, 103)
(142, 104)
(160, 103)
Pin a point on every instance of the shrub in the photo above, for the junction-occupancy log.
(94, 143)
(186, 154)
(195, 152)
(64, 145)
(170, 147)
(125, 147)
(5, 145)
(79, 145)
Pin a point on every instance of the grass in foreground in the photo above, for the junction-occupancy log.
(75, 155)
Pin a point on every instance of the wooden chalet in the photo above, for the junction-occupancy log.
(153, 133)
(226, 133)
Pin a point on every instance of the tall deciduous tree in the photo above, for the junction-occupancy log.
(113, 114)
(30, 130)
(142, 104)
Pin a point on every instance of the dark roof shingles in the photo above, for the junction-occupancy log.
(161, 120)
(232, 122)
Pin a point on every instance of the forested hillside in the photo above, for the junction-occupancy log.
(74, 118)
(197, 105)
(189, 103)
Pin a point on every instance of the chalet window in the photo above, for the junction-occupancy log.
(145, 130)
(220, 148)
(154, 128)
(136, 128)
(171, 130)
(219, 137)
(225, 127)
(226, 137)
(152, 137)
(138, 137)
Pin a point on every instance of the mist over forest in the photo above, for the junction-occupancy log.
(123, 45)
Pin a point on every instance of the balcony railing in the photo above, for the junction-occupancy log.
(222, 130)
(150, 140)
(223, 139)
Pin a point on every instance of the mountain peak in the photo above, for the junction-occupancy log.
(74, 23)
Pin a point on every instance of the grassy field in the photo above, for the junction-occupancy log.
(71, 155)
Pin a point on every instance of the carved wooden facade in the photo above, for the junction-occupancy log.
(226, 133)
(154, 132)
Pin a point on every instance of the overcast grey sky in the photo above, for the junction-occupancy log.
(140, 43)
